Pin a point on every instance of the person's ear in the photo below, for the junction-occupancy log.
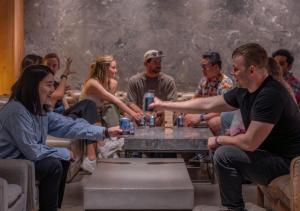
(252, 69)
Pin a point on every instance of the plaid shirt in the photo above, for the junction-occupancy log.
(294, 83)
(215, 86)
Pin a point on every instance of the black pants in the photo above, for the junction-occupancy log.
(234, 165)
(85, 109)
(51, 174)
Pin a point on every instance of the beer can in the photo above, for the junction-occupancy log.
(125, 125)
(132, 129)
(151, 121)
(142, 122)
(179, 121)
(148, 99)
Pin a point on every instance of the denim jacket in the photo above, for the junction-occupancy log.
(23, 135)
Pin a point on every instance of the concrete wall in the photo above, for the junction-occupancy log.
(183, 29)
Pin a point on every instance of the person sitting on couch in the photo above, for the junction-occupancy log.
(25, 122)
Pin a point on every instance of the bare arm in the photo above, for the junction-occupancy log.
(134, 107)
(249, 141)
(114, 85)
(197, 105)
(96, 89)
(59, 92)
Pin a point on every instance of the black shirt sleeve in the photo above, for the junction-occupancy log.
(231, 97)
(268, 106)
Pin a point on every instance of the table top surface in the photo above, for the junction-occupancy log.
(159, 133)
(159, 139)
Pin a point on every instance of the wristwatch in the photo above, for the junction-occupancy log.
(202, 118)
(216, 142)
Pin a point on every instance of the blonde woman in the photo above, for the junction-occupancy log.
(100, 87)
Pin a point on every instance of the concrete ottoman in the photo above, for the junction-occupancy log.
(139, 184)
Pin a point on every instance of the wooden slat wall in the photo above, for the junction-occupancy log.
(11, 42)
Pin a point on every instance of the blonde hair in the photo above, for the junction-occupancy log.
(98, 70)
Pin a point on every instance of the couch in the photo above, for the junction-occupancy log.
(283, 193)
(76, 146)
(17, 185)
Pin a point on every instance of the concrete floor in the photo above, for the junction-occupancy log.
(205, 193)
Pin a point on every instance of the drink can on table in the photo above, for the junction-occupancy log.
(179, 121)
(151, 121)
(142, 122)
(132, 129)
(125, 125)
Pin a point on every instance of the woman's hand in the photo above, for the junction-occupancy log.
(115, 131)
(137, 116)
(68, 71)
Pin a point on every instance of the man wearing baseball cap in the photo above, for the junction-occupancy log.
(152, 79)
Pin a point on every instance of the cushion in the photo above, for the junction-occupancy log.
(14, 192)
(58, 142)
(279, 189)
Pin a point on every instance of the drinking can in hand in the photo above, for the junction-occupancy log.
(148, 99)
(125, 125)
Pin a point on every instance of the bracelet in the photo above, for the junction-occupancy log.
(106, 133)
(63, 76)
(202, 118)
(216, 142)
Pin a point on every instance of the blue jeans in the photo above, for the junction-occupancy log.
(234, 165)
(226, 120)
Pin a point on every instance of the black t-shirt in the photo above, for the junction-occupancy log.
(270, 103)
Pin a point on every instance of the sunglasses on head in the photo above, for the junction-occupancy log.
(157, 54)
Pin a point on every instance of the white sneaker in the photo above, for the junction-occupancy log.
(109, 148)
(88, 165)
(115, 155)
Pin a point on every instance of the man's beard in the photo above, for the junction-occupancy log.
(156, 70)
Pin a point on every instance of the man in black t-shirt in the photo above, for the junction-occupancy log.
(272, 122)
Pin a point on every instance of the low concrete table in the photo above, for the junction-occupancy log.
(182, 139)
(139, 184)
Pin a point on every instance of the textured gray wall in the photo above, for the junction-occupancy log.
(183, 29)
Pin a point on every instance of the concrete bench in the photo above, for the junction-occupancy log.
(139, 184)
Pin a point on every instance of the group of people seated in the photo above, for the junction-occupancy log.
(253, 119)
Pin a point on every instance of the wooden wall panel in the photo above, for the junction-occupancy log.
(11, 42)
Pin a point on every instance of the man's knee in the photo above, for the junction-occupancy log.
(226, 153)
(214, 124)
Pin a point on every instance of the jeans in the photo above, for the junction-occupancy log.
(226, 120)
(51, 174)
(85, 109)
(233, 165)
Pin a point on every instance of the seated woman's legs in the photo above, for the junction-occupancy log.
(51, 174)
(109, 117)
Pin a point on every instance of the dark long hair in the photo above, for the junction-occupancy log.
(31, 59)
(26, 89)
